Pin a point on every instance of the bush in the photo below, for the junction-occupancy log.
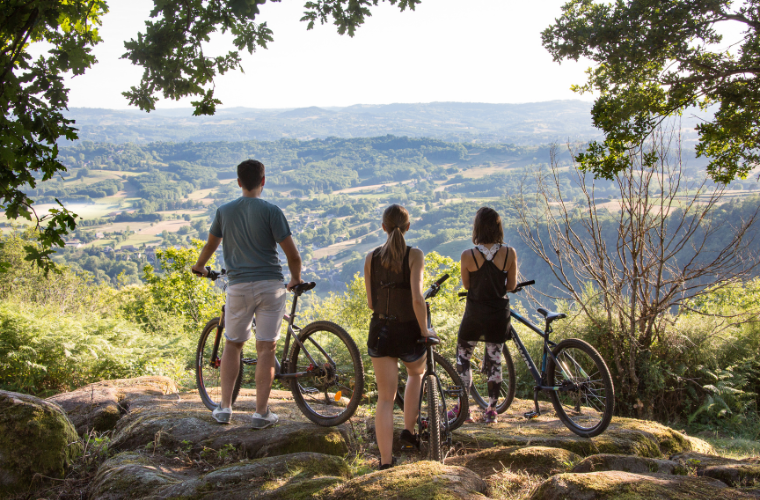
(43, 351)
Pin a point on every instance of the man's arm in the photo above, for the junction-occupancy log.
(294, 261)
(206, 253)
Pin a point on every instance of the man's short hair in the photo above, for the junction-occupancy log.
(250, 173)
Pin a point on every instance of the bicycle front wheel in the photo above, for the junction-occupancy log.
(333, 382)
(584, 398)
(451, 387)
(207, 373)
(431, 419)
(479, 389)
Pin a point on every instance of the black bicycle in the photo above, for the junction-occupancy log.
(572, 372)
(327, 379)
(442, 389)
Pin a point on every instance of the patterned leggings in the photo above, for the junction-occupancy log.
(491, 367)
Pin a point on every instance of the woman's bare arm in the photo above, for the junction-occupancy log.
(465, 262)
(367, 278)
(512, 270)
(416, 267)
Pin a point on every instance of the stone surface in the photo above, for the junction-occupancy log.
(627, 486)
(36, 438)
(538, 460)
(625, 463)
(299, 475)
(417, 481)
(624, 437)
(99, 406)
(733, 472)
(182, 421)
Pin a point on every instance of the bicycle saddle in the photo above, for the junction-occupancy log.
(550, 316)
(303, 287)
(429, 341)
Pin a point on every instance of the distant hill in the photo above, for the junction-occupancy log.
(520, 124)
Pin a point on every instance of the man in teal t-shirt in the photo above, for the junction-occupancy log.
(251, 229)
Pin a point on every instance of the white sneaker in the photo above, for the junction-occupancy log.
(222, 415)
(264, 421)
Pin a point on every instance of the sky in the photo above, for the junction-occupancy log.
(447, 50)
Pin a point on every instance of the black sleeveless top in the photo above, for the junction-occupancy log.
(486, 315)
(393, 330)
(392, 291)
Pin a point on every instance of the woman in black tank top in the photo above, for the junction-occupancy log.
(393, 279)
(488, 271)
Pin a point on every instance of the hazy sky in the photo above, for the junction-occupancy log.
(446, 50)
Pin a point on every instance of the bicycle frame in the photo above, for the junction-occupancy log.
(281, 367)
(539, 377)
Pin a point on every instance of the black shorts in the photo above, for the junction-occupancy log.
(395, 340)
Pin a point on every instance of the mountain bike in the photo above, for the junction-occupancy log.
(326, 379)
(572, 372)
(434, 422)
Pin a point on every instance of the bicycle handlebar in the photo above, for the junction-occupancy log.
(212, 275)
(435, 287)
(518, 287)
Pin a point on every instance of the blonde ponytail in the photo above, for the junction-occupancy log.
(396, 220)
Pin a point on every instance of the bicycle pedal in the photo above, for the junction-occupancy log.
(531, 415)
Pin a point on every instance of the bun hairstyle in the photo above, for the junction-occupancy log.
(396, 220)
(487, 227)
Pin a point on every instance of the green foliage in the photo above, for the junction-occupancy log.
(176, 292)
(43, 351)
(655, 59)
(32, 99)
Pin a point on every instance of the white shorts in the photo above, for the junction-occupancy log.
(265, 300)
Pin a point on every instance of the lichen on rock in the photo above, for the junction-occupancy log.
(539, 460)
(35, 438)
(625, 463)
(417, 481)
(627, 486)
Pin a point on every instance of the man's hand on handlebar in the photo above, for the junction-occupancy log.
(293, 283)
(429, 333)
(200, 271)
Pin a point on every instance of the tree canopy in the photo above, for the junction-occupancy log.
(33, 94)
(655, 59)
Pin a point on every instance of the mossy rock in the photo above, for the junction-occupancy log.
(131, 475)
(99, 406)
(35, 438)
(624, 437)
(742, 475)
(708, 460)
(417, 481)
(308, 489)
(636, 465)
(626, 486)
(128, 475)
(171, 429)
(538, 460)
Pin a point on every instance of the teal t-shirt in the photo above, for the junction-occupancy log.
(250, 229)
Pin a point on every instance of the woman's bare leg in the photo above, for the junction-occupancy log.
(415, 371)
(386, 375)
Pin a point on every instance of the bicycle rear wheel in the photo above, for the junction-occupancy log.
(585, 400)
(207, 372)
(431, 420)
(452, 390)
(479, 389)
(331, 389)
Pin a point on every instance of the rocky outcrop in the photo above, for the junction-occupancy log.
(164, 444)
(538, 460)
(99, 406)
(414, 482)
(131, 475)
(636, 465)
(37, 442)
(624, 437)
(624, 485)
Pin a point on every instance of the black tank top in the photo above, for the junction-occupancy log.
(392, 291)
(486, 315)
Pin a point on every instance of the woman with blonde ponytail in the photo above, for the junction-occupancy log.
(393, 279)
